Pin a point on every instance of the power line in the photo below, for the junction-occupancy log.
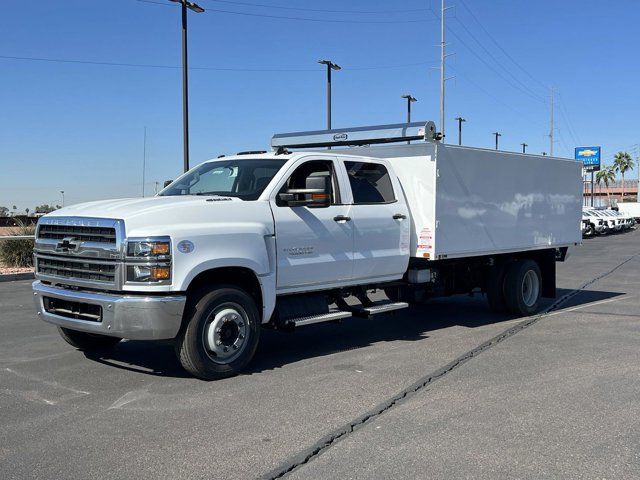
(497, 44)
(262, 5)
(516, 79)
(565, 115)
(302, 19)
(488, 65)
(221, 69)
(494, 97)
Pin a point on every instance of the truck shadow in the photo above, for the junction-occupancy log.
(278, 349)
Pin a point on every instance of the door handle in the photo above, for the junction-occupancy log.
(341, 218)
(399, 216)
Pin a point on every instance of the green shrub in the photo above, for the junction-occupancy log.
(18, 253)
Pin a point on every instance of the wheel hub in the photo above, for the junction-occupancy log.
(226, 334)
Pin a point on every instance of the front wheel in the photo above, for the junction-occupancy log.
(221, 334)
(523, 287)
(591, 231)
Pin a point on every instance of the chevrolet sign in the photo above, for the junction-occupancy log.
(590, 157)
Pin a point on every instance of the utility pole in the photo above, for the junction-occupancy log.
(460, 120)
(524, 147)
(144, 157)
(442, 72)
(410, 100)
(443, 56)
(185, 4)
(497, 135)
(551, 129)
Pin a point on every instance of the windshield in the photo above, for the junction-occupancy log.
(242, 178)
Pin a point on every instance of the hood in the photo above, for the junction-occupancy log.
(161, 215)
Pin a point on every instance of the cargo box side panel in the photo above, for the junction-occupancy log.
(417, 175)
(494, 202)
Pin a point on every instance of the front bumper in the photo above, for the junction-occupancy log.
(136, 317)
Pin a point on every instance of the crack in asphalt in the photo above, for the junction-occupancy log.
(326, 442)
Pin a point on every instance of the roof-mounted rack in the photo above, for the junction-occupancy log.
(398, 132)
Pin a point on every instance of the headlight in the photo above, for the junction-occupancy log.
(148, 273)
(149, 248)
(149, 260)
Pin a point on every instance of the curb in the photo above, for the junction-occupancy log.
(14, 277)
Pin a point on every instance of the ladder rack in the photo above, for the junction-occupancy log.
(399, 132)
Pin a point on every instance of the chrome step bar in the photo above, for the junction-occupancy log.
(324, 317)
(382, 308)
(341, 314)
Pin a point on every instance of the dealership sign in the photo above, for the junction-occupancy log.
(590, 157)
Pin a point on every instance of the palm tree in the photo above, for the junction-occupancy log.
(622, 163)
(607, 175)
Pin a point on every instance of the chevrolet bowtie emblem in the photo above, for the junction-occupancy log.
(67, 244)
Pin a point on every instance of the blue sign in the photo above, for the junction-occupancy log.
(590, 157)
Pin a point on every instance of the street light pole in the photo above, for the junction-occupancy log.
(497, 135)
(62, 193)
(460, 120)
(524, 147)
(330, 66)
(185, 76)
(410, 99)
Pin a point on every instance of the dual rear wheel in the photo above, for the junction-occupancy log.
(515, 287)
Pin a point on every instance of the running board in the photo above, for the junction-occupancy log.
(381, 308)
(324, 317)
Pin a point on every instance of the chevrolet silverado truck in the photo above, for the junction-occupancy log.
(303, 235)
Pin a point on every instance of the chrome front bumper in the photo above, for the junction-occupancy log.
(135, 317)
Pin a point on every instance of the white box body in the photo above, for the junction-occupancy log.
(468, 202)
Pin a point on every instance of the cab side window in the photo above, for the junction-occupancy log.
(314, 168)
(370, 183)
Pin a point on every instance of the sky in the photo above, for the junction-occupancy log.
(72, 120)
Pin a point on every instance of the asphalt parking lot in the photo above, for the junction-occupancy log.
(444, 390)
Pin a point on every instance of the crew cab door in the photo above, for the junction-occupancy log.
(380, 220)
(314, 244)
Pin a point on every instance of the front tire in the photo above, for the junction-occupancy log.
(591, 231)
(221, 333)
(88, 342)
(523, 287)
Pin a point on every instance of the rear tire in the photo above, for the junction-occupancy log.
(88, 342)
(523, 287)
(221, 333)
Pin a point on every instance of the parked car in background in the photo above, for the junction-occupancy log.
(596, 224)
(632, 209)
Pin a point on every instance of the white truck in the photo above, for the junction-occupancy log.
(304, 235)
(631, 209)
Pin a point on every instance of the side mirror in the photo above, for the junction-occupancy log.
(167, 183)
(316, 194)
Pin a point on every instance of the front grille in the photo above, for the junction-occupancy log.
(77, 269)
(79, 233)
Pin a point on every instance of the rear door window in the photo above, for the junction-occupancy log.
(370, 183)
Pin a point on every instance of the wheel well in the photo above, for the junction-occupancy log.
(243, 278)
